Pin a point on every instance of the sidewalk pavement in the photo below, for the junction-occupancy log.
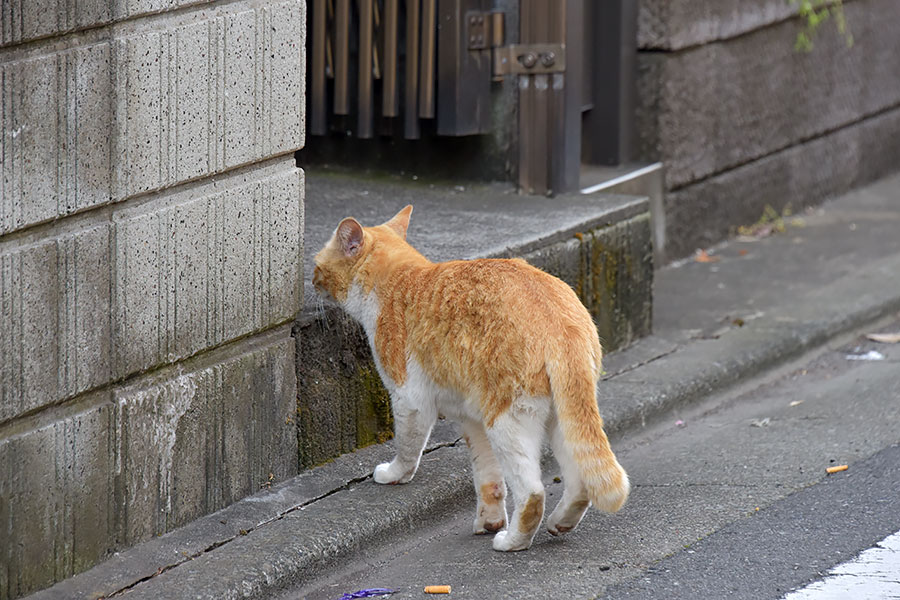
(749, 306)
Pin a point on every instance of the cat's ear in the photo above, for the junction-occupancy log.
(350, 235)
(401, 221)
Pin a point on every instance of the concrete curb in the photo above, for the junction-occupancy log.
(333, 512)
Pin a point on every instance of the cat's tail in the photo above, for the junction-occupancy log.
(573, 384)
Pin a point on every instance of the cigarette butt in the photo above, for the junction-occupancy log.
(437, 589)
(837, 469)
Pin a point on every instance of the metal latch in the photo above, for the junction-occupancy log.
(485, 30)
(529, 59)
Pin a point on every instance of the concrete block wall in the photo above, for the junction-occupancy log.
(151, 218)
(742, 120)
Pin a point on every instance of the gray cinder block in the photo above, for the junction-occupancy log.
(677, 24)
(54, 319)
(206, 265)
(141, 459)
(151, 218)
(208, 95)
(705, 212)
(189, 96)
(56, 496)
(191, 442)
(55, 135)
(711, 108)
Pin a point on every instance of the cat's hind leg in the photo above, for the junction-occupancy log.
(414, 417)
(490, 488)
(574, 502)
(516, 437)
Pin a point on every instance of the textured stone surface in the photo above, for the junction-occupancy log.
(676, 24)
(704, 213)
(205, 265)
(56, 499)
(151, 219)
(25, 20)
(197, 441)
(54, 319)
(144, 458)
(191, 95)
(250, 62)
(55, 142)
(342, 404)
(192, 269)
(715, 107)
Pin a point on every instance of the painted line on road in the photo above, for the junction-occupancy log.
(875, 573)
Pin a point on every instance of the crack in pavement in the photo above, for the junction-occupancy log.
(279, 516)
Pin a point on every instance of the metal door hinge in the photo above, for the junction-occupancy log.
(485, 30)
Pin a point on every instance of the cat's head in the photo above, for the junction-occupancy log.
(338, 262)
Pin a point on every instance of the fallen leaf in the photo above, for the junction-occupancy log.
(742, 252)
(704, 257)
(885, 338)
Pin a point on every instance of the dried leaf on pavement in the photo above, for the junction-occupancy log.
(704, 257)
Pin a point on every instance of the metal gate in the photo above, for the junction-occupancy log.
(381, 67)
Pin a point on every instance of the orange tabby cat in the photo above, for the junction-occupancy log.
(503, 348)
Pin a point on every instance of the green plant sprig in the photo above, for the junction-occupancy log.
(816, 12)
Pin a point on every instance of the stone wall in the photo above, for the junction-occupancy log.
(151, 218)
(742, 120)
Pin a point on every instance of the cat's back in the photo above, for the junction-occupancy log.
(496, 287)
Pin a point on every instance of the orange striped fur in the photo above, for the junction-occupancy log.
(498, 345)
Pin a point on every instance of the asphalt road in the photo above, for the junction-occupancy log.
(733, 501)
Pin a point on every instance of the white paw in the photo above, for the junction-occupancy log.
(389, 473)
(504, 542)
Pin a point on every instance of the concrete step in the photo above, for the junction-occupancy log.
(600, 244)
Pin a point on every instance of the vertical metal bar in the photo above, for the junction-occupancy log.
(342, 58)
(377, 41)
(526, 102)
(540, 152)
(318, 122)
(410, 109)
(426, 72)
(534, 146)
(565, 142)
(390, 104)
(556, 26)
(609, 126)
(364, 73)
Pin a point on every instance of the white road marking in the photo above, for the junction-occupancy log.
(873, 575)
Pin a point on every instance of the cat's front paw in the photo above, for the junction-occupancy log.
(505, 542)
(390, 474)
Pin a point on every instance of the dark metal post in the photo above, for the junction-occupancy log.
(364, 74)
(609, 131)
